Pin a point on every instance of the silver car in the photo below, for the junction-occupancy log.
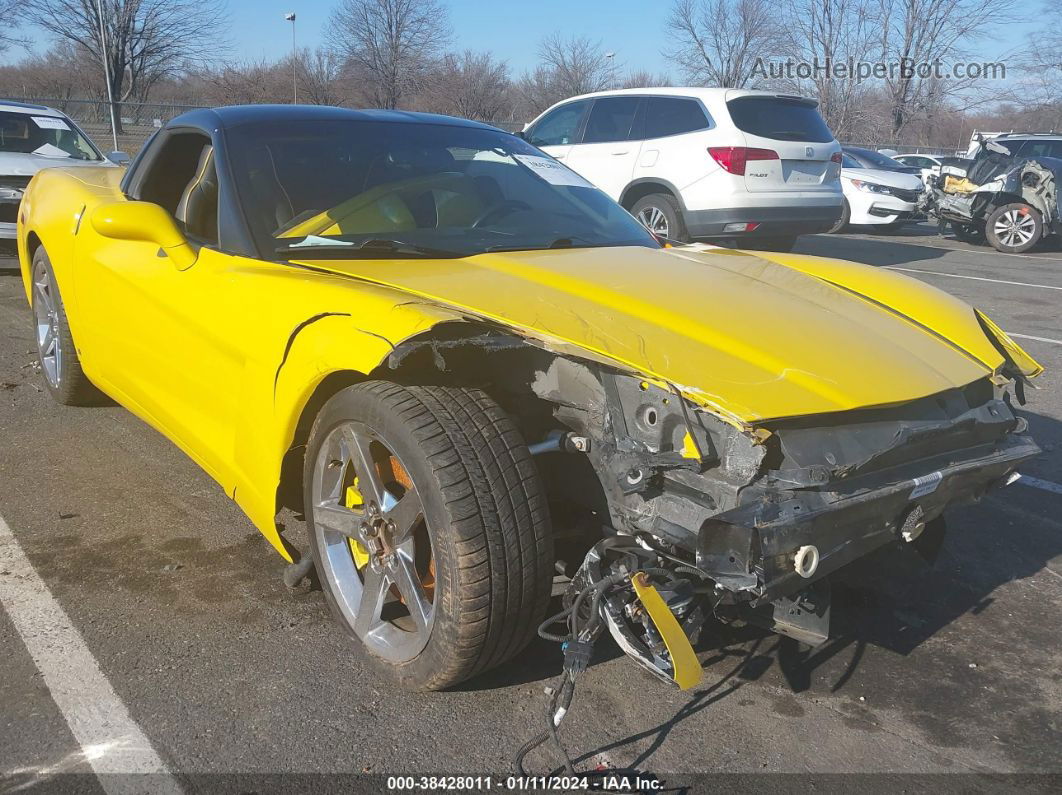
(34, 137)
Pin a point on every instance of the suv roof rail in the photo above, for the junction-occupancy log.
(1018, 134)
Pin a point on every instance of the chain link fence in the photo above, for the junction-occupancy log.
(139, 120)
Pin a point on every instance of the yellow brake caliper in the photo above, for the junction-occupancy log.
(686, 669)
(353, 499)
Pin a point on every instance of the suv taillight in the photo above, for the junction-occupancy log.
(734, 158)
(836, 157)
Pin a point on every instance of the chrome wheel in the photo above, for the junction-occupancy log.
(46, 315)
(653, 219)
(1015, 228)
(373, 541)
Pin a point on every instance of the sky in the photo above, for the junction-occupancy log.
(633, 29)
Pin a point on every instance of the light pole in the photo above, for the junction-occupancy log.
(290, 17)
(107, 74)
(611, 68)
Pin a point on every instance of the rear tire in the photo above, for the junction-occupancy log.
(1014, 228)
(842, 222)
(660, 214)
(480, 533)
(56, 353)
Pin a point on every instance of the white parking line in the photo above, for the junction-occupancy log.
(1036, 483)
(1031, 337)
(973, 278)
(110, 741)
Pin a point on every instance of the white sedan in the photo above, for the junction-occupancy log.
(877, 197)
(927, 164)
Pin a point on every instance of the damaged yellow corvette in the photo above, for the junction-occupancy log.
(475, 375)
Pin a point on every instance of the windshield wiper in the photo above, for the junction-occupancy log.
(795, 134)
(373, 247)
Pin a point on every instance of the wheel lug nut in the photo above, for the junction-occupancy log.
(391, 526)
(368, 530)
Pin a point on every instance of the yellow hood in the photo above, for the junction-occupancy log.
(749, 337)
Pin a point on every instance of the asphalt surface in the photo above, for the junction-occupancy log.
(954, 669)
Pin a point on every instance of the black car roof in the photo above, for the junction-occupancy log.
(235, 115)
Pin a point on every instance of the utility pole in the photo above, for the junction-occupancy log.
(107, 74)
(611, 69)
(290, 17)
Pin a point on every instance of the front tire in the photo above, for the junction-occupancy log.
(1014, 228)
(429, 529)
(56, 353)
(661, 215)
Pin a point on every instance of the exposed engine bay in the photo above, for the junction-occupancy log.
(723, 520)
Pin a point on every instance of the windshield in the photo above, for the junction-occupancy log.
(367, 188)
(48, 136)
(877, 159)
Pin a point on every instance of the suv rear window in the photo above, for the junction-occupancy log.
(780, 118)
(673, 116)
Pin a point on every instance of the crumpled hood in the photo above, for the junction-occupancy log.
(20, 164)
(750, 337)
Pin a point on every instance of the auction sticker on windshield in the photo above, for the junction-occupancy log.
(50, 123)
(552, 171)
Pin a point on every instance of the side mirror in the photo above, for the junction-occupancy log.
(521, 134)
(146, 222)
(119, 158)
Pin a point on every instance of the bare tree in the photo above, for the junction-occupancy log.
(644, 79)
(720, 41)
(8, 13)
(143, 41)
(827, 34)
(470, 84)
(389, 46)
(320, 74)
(920, 33)
(575, 65)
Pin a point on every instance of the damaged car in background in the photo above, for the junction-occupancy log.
(477, 378)
(1008, 199)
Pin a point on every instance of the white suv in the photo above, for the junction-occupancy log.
(703, 163)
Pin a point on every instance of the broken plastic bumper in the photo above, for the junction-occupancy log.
(752, 550)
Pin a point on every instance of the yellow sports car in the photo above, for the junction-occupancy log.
(476, 377)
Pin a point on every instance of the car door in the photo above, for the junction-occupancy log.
(157, 332)
(671, 145)
(606, 153)
(558, 130)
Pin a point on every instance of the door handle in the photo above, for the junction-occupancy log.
(621, 152)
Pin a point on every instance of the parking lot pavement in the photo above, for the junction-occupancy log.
(221, 669)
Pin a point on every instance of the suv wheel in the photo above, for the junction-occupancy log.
(660, 214)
